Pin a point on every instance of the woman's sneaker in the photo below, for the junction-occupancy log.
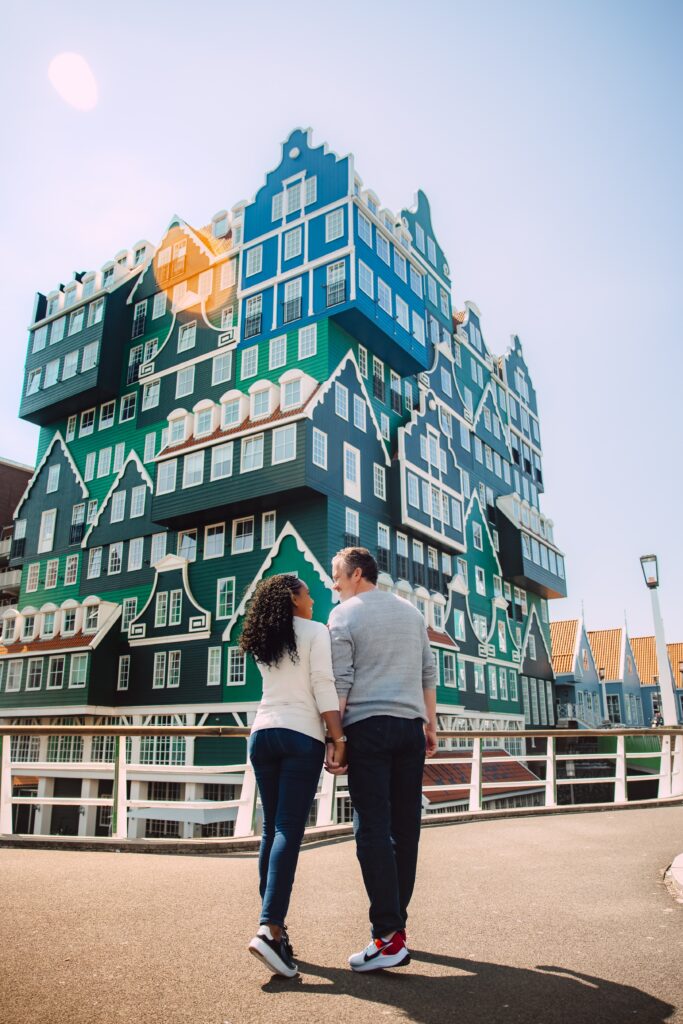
(275, 953)
(380, 954)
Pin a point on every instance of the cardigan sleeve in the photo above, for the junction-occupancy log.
(322, 678)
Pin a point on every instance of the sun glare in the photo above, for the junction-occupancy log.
(72, 78)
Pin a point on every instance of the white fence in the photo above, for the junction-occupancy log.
(557, 768)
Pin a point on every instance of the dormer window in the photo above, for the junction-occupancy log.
(48, 624)
(29, 627)
(69, 621)
(91, 617)
(88, 286)
(139, 255)
(291, 394)
(8, 630)
(260, 404)
(122, 261)
(203, 422)
(53, 304)
(70, 295)
(231, 413)
(220, 225)
(107, 277)
(177, 431)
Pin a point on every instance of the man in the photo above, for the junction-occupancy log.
(385, 677)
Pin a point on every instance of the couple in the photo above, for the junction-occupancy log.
(371, 676)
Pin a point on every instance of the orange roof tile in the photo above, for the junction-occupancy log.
(645, 653)
(440, 638)
(216, 245)
(457, 776)
(606, 648)
(563, 642)
(54, 643)
(459, 318)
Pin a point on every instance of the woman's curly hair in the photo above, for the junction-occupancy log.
(269, 626)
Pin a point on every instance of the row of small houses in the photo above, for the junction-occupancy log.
(602, 676)
(607, 676)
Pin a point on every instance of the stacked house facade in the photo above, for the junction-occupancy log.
(245, 399)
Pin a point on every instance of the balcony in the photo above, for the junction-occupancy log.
(10, 580)
(252, 325)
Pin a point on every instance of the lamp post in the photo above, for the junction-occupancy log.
(666, 684)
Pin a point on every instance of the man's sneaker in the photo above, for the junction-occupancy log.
(274, 953)
(380, 954)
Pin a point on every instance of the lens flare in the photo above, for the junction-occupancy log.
(72, 78)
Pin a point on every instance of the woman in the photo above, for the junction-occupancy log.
(287, 743)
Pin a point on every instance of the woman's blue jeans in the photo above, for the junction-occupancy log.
(287, 766)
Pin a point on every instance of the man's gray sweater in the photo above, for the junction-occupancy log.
(381, 656)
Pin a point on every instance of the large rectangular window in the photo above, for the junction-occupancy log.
(242, 535)
(284, 444)
(252, 453)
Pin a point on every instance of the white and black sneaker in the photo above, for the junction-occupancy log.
(380, 954)
(274, 953)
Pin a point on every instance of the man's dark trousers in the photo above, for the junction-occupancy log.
(386, 760)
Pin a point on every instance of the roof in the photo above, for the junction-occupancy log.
(455, 778)
(459, 318)
(606, 648)
(247, 424)
(645, 653)
(216, 245)
(563, 643)
(437, 637)
(54, 643)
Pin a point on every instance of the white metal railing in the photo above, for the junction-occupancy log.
(5, 546)
(669, 777)
(580, 714)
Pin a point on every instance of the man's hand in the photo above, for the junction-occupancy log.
(430, 739)
(335, 757)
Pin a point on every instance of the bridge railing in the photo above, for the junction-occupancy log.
(549, 770)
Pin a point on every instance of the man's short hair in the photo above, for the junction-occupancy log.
(359, 558)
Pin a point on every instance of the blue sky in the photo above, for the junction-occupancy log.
(546, 135)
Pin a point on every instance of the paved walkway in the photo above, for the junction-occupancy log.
(560, 920)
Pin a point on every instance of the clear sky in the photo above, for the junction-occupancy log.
(547, 136)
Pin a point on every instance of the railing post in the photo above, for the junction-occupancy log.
(328, 792)
(5, 786)
(119, 813)
(665, 768)
(677, 771)
(550, 773)
(244, 823)
(620, 772)
(475, 776)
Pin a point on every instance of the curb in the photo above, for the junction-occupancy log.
(674, 876)
(318, 837)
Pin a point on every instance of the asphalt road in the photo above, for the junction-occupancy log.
(560, 920)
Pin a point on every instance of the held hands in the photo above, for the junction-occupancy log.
(335, 757)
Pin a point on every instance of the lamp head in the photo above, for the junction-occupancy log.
(650, 570)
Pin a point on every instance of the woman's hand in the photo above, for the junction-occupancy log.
(335, 759)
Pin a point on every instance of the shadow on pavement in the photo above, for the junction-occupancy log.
(486, 992)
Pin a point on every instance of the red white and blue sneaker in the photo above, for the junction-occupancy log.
(381, 953)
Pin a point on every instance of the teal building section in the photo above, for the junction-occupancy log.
(246, 398)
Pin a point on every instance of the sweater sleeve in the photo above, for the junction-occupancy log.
(428, 667)
(322, 678)
(342, 655)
